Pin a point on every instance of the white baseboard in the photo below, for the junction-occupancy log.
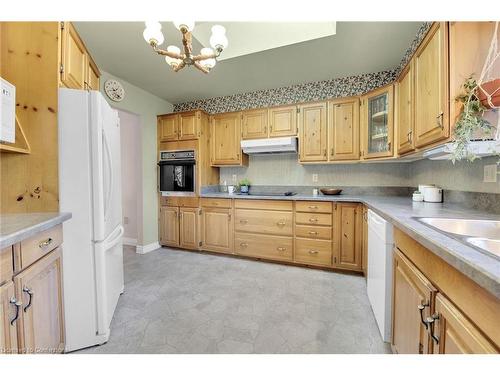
(130, 241)
(147, 248)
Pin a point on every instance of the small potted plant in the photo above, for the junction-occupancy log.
(244, 186)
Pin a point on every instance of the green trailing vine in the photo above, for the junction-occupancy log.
(470, 122)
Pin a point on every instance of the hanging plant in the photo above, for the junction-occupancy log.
(470, 122)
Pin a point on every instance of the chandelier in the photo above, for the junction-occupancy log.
(204, 61)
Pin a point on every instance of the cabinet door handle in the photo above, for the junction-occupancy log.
(430, 321)
(331, 152)
(30, 294)
(421, 308)
(243, 244)
(389, 146)
(439, 119)
(229, 217)
(17, 305)
(45, 243)
(313, 251)
(281, 249)
(324, 152)
(243, 221)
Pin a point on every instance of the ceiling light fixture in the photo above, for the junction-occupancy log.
(207, 58)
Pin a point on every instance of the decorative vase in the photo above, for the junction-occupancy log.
(489, 88)
(244, 189)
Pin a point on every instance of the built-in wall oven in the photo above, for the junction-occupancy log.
(177, 171)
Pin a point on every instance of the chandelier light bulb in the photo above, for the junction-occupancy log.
(208, 63)
(188, 25)
(218, 40)
(206, 51)
(152, 33)
(170, 60)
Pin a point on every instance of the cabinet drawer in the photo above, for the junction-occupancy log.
(262, 204)
(313, 219)
(313, 251)
(214, 202)
(308, 231)
(38, 246)
(6, 264)
(264, 246)
(323, 207)
(179, 201)
(265, 222)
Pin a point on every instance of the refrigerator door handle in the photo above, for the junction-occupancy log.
(115, 238)
(110, 161)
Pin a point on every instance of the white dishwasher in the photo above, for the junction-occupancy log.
(379, 279)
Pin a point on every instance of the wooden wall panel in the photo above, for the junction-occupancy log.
(29, 60)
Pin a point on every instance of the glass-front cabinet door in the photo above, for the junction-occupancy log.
(378, 123)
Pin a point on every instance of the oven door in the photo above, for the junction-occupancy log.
(177, 175)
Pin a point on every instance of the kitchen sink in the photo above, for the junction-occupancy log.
(482, 234)
(489, 229)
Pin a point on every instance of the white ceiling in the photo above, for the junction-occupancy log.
(356, 48)
(263, 35)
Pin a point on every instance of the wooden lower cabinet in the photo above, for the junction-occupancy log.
(188, 228)
(347, 236)
(264, 222)
(453, 333)
(169, 226)
(316, 252)
(413, 300)
(217, 229)
(8, 320)
(41, 321)
(264, 246)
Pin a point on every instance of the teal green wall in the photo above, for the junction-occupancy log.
(147, 106)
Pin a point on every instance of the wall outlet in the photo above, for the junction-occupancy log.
(125, 220)
(315, 177)
(490, 173)
(235, 179)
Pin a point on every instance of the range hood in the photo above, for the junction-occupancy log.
(270, 145)
(479, 148)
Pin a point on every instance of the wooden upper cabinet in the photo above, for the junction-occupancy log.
(169, 226)
(74, 58)
(225, 139)
(8, 334)
(454, 333)
(405, 110)
(39, 287)
(348, 239)
(283, 121)
(188, 228)
(378, 124)
(168, 127)
(313, 132)
(217, 229)
(412, 303)
(189, 125)
(254, 124)
(93, 75)
(343, 129)
(431, 87)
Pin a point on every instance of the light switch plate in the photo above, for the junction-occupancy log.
(490, 173)
(315, 177)
(235, 178)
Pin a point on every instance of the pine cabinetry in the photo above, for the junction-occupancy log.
(343, 129)
(283, 121)
(179, 127)
(188, 228)
(217, 229)
(405, 110)
(179, 226)
(225, 137)
(77, 68)
(169, 226)
(347, 236)
(254, 124)
(9, 315)
(413, 301)
(313, 132)
(431, 87)
(378, 128)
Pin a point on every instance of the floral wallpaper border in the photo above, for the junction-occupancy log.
(319, 90)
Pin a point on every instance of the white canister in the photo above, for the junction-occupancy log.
(421, 188)
(433, 194)
(231, 189)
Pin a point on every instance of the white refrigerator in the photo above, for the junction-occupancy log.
(90, 188)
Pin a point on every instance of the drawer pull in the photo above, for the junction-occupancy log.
(243, 221)
(17, 305)
(45, 243)
(313, 233)
(281, 248)
(313, 251)
(313, 207)
(30, 294)
(313, 220)
(280, 223)
(345, 235)
(243, 244)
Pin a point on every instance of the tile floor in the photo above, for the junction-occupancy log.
(187, 302)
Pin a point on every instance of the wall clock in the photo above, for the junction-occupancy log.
(114, 90)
